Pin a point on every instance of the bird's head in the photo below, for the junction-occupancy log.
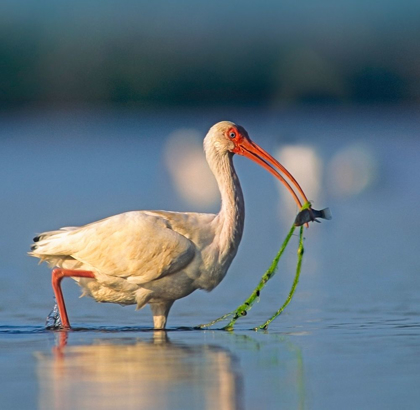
(227, 137)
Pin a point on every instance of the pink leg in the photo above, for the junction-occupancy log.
(57, 276)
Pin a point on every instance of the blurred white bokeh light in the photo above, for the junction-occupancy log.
(303, 162)
(352, 170)
(187, 165)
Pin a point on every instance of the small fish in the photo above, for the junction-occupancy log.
(311, 215)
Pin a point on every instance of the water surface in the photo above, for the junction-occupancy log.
(349, 339)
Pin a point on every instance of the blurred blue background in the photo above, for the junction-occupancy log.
(186, 52)
(103, 108)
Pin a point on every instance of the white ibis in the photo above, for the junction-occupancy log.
(157, 257)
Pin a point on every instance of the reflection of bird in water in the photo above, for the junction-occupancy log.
(133, 374)
(157, 257)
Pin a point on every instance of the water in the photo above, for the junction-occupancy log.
(349, 338)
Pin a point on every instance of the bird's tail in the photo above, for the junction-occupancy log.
(49, 246)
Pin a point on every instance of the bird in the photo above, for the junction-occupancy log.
(157, 257)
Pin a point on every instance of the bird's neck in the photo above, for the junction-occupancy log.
(230, 220)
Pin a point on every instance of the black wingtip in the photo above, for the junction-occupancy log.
(37, 238)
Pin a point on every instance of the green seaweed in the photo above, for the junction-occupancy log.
(300, 252)
(243, 309)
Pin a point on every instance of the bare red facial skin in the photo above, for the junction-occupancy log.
(237, 139)
(233, 135)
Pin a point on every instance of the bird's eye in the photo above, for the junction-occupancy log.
(232, 134)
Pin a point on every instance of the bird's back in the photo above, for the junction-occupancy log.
(141, 245)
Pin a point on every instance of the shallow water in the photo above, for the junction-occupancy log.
(349, 338)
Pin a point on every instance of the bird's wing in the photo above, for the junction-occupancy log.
(136, 245)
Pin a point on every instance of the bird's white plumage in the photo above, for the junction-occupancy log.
(156, 257)
(136, 248)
